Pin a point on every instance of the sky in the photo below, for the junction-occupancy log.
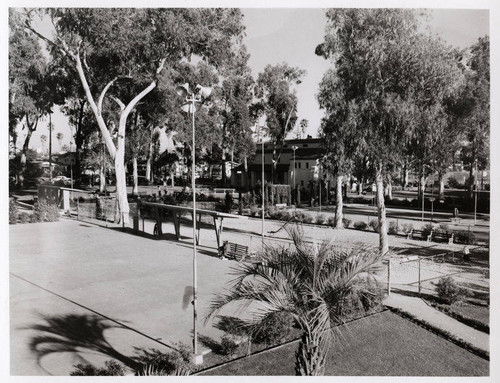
(276, 35)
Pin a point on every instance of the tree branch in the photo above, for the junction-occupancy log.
(119, 102)
(103, 93)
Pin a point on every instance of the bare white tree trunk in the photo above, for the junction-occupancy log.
(339, 203)
(441, 186)
(389, 187)
(382, 222)
(102, 180)
(135, 189)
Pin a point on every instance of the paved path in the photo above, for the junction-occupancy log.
(421, 310)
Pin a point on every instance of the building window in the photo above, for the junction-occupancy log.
(299, 165)
(301, 182)
(307, 165)
(304, 145)
(295, 165)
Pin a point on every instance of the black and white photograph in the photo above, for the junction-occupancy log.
(221, 189)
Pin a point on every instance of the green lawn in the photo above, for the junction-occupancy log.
(381, 345)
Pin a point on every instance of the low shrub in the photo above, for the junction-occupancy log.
(331, 221)
(303, 217)
(442, 228)
(448, 291)
(13, 211)
(45, 212)
(374, 225)
(25, 217)
(111, 368)
(307, 218)
(406, 227)
(320, 219)
(427, 228)
(346, 222)
(360, 225)
(274, 328)
(254, 211)
(393, 228)
(465, 237)
(227, 345)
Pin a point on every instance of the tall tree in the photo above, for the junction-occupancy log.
(277, 100)
(31, 91)
(339, 135)
(110, 47)
(474, 109)
(234, 99)
(393, 78)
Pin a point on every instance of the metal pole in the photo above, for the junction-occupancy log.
(195, 282)
(294, 183)
(263, 191)
(419, 284)
(389, 277)
(423, 201)
(475, 196)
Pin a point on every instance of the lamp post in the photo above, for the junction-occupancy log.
(432, 199)
(475, 196)
(294, 148)
(71, 164)
(191, 98)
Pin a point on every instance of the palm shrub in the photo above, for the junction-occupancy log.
(311, 283)
(346, 222)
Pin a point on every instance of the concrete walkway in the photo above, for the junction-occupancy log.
(421, 310)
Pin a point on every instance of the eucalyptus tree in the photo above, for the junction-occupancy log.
(338, 132)
(434, 79)
(277, 100)
(393, 78)
(111, 47)
(31, 87)
(473, 108)
(234, 98)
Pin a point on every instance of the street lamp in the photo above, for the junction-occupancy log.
(71, 164)
(294, 148)
(191, 98)
(475, 195)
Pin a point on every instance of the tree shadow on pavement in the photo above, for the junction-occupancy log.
(75, 334)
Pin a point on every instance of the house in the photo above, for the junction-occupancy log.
(297, 164)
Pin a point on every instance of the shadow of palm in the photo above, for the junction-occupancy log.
(75, 333)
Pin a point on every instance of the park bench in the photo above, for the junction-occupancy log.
(233, 251)
(418, 234)
(441, 237)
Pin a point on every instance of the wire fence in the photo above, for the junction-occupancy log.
(420, 273)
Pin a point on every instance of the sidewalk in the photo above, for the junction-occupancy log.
(421, 310)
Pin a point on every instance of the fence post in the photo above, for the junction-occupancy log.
(389, 277)
(419, 282)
